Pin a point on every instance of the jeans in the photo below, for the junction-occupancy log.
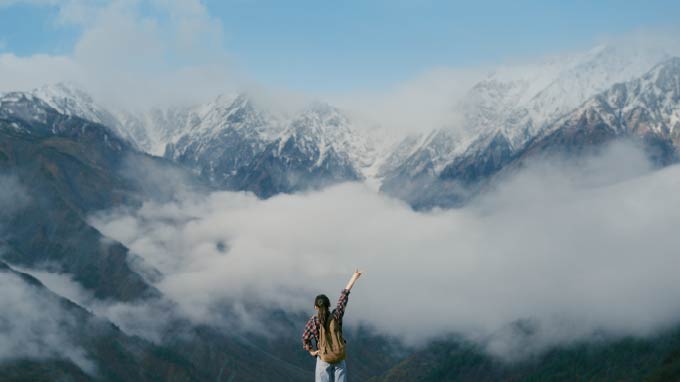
(330, 372)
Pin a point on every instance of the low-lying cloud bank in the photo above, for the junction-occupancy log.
(571, 249)
(34, 325)
(13, 196)
(32, 322)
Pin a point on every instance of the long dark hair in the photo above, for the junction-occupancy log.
(323, 303)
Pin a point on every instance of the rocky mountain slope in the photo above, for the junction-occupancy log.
(502, 114)
(68, 167)
(76, 345)
(627, 359)
(57, 169)
(644, 108)
(70, 157)
(236, 143)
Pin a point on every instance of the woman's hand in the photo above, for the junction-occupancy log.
(354, 278)
(313, 353)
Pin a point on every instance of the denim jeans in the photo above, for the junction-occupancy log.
(330, 372)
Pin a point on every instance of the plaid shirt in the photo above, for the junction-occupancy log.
(312, 328)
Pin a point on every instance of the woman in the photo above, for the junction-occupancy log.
(325, 328)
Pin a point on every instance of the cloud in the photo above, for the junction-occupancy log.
(150, 319)
(440, 97)
(13, 195)
(33, 325)
(174, 56)
(24, 73)
(59, 283)
(132, 54)
(571, 249)
(418, 104)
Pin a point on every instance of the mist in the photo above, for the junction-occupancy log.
(33, 325)
(13, 196)
(574, 249)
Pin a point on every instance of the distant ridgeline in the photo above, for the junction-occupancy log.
(570, 106)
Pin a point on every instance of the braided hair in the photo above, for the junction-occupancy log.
(323, 303)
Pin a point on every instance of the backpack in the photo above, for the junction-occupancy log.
(331, 344)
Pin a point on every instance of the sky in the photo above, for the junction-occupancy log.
(347, 46)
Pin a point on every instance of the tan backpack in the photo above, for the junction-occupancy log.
(331, 343)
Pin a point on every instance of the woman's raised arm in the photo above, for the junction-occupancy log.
(339, 310)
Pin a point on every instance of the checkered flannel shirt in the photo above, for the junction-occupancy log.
(312, 328)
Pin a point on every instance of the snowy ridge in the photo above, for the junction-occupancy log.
(320, 126)
(24, 106)
(605, 66)
(197, 127)
(325, 129)
(648, 104)
(200, 135)
(502, 114)
(28, 114)
(520, 102)
(68, 99)
(233, 138)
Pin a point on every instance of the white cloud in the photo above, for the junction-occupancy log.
(23, 73)
(13, 196)
(128, 58)
(32, 325)
(573, 249)
(420, 104)
(147, 319)
(439, 97)
(59, 283)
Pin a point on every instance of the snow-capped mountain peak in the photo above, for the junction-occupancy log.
(518, 102)
(512, 107)
(319, 128)
(650, 103)
(234, 111)
(24, 106)
(68, 99)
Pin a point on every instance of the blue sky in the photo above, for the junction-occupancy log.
(337, 46)
(373, 43)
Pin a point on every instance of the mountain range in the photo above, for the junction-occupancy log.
(67, 168)
(74, 156)
(237, 143)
